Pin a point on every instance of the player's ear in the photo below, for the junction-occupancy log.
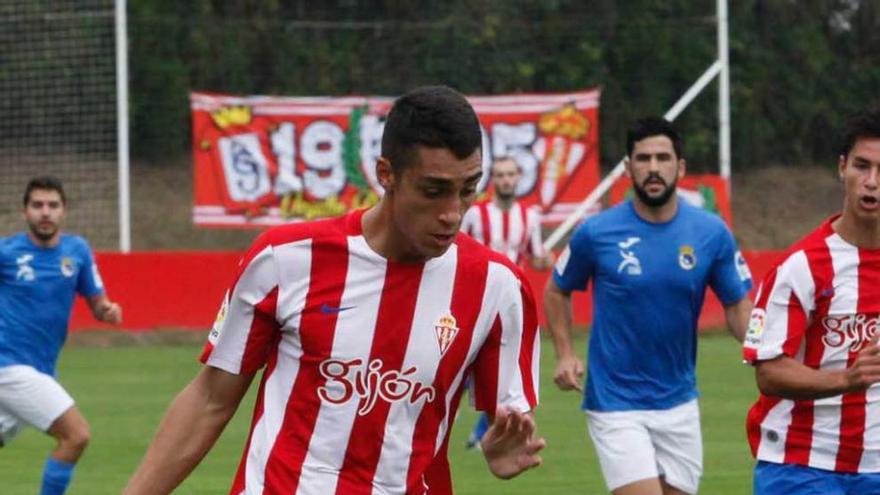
(682, 168)
(385, 174)
(626, 168)
(841, 166)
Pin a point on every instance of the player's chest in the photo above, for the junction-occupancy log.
(40, 271)
(644, 262)
(408, 323)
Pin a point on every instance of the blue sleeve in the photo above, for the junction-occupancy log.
(575, 265)
(89, 282)
(730, 278)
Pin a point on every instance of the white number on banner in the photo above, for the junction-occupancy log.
(515, 140)
(321, 148)
(284, 148)
(245, 167)
(371, 147)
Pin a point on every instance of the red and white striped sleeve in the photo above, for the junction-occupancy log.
(506, 368)
(780, 317)
(246, 326)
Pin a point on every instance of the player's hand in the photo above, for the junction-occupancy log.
(865, 370)
(543, 263)
(510, 446)
(111, 313)
(569, 373)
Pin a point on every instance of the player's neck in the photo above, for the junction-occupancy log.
(48, 243)
(862, 233)
(657, 214)
(382, 236)
(502, 204)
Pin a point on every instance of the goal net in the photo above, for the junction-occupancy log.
(58, 81)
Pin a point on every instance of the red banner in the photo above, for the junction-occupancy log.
(710, 192)
(268, 160)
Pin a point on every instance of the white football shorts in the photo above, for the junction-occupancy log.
(638, 445)
(28, 396)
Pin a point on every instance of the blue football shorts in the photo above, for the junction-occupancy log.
(775, 479)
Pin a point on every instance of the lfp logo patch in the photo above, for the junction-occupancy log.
(687, 258)
(756, 327)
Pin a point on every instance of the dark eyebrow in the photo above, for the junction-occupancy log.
(440, 181)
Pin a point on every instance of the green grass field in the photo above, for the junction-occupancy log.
(123, 391)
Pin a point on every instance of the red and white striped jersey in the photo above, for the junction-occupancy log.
(512, 232)
(820, 306)
(365, 358)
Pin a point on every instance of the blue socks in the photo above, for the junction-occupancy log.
(479, 430)
(56, 477)
(481, 427)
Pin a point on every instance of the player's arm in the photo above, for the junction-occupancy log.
(540, 258)
(737, 316)
(103, 309)
(790, 379)
(542, 262)
(557, 311)
(511, 445)
(192, 424)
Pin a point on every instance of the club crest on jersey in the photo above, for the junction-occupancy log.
(446, 329)
(687, 258)
(67, 267)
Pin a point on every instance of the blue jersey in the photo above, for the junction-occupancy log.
(37, 289)
(649, 282)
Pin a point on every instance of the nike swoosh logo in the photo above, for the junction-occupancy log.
(329, 310)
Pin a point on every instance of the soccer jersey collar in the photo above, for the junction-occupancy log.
(354, 227)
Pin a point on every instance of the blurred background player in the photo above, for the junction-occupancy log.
(506, 226)
(366, 324)
(812, 338)
(41, 270)
(651, 259)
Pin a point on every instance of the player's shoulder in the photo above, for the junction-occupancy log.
(812, 246)
(73, 241)
(13, 239)
(476, 206)
(473, 252)
(610, 219)
(313, 229)
(704, 218)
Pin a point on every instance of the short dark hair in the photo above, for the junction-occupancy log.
(865, 123)
(653, 126)
(432, 116)
(45, 182)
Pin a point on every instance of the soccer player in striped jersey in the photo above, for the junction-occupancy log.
(812, 337)
(506, 226)
(365, 327)
(41, 271)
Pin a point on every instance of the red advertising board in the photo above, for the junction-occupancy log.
(262, 160)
